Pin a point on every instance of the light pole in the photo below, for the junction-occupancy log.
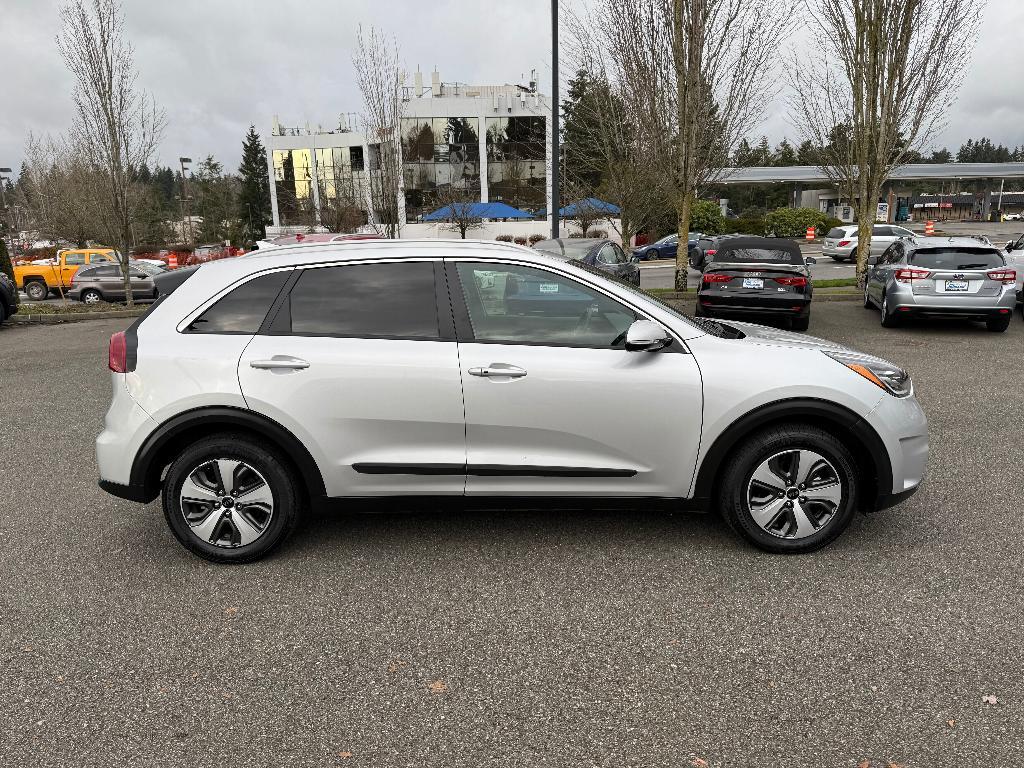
(186, 209)
(3, 197)
(555, 205)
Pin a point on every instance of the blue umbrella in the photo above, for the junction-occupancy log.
(477, 211)
(592, 204)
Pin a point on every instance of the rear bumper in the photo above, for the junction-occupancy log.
(906, 302)
(792, 306)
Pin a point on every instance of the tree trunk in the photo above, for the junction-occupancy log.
(866, 208)
(683, 224)
(129, 300)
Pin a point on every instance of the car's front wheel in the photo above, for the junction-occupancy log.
(790, 489)
(231, 499)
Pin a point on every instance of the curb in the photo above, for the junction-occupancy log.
(71, 317)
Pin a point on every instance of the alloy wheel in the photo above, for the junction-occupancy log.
(91, 297)
(226, 503)
(794, 494)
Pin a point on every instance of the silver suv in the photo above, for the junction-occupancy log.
(840, 243)
(393, 372)
(942, 277)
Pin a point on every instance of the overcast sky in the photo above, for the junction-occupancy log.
(217, 66)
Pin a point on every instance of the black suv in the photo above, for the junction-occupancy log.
(8, 297)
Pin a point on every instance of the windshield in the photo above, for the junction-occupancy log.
(570, 248)
(728, 255)
(957, 258)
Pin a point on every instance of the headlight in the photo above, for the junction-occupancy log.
(884, 374)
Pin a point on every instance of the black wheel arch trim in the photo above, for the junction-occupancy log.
(149, 461)
(870, 445)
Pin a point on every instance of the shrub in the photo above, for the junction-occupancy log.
(746, 226)
(519, 240)
(793, 222)
(535, 238)
(601, 233)
(706, 218)
(504, 238)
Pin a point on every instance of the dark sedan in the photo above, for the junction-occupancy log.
(598, 253)
(757, 276)
(8, 297)
(665, 248)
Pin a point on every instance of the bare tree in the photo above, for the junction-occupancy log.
(116, 125)
(462, 212)
(704, 69)
(875, 85)
(380, 78)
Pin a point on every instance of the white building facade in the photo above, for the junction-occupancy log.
(488, 143)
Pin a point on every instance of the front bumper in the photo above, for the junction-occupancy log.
(901, 424)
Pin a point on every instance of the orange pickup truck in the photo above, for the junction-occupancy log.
(38, 278)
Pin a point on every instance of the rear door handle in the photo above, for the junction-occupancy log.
(280, 362)
(498, 370)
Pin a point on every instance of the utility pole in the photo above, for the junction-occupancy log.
(3, 198)
(187, 209)
(555, 203)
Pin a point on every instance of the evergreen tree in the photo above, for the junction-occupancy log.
(580, 132)
(254, 189)
(744, 157)
(784, 155)
(941, 156)
(5, 260)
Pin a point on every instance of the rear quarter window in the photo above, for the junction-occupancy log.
(836, 234)
(957, 258)
(244, 309)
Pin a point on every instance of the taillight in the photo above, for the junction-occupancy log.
(1004, 276)
(910, 275)
(797, 282)
(118, 353)
(717, 278)
(843, 243)
(711, 251)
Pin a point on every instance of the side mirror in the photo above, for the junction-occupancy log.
(1009, 245)
(811, 260)
(872, 261)
(646, 336)
(634, 259)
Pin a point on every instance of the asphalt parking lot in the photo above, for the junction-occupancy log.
(534, 639)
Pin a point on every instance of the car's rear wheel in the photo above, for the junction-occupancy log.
(91, 297)
(998, 324)
(231, 499)
(789, 489)
(36, 290)
(889, 319)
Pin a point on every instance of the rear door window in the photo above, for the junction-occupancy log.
(956, 259)
(243, 309)
(94, 272)
(390, 300)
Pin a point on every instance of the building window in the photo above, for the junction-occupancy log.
(436, 153)
(293, 176)
(517, 161)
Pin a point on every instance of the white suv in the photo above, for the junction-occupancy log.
(346, 375)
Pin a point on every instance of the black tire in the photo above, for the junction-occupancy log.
(889, 319)
(737, 474)
(840, 259)
(277, 474)
(998, 324)
(867, 298)
(91, 296)
(36, 290)
(801, 323)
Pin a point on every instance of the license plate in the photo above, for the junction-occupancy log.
(957, 286)
(753, 282)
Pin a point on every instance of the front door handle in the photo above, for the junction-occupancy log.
(280, 362)
(498, 370)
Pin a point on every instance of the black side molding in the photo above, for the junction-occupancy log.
(488, 470)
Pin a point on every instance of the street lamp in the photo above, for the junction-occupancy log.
(555, 206)
(3, 196)
(186, 210)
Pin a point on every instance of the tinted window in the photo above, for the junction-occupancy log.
(761, 255)
(242, 310)
(366, 301)
(525, 305)
(882, 231)
(607, 255)
(107, 271)
(956, 258)
(836, 234)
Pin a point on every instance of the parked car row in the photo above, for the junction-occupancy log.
(666, 247)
